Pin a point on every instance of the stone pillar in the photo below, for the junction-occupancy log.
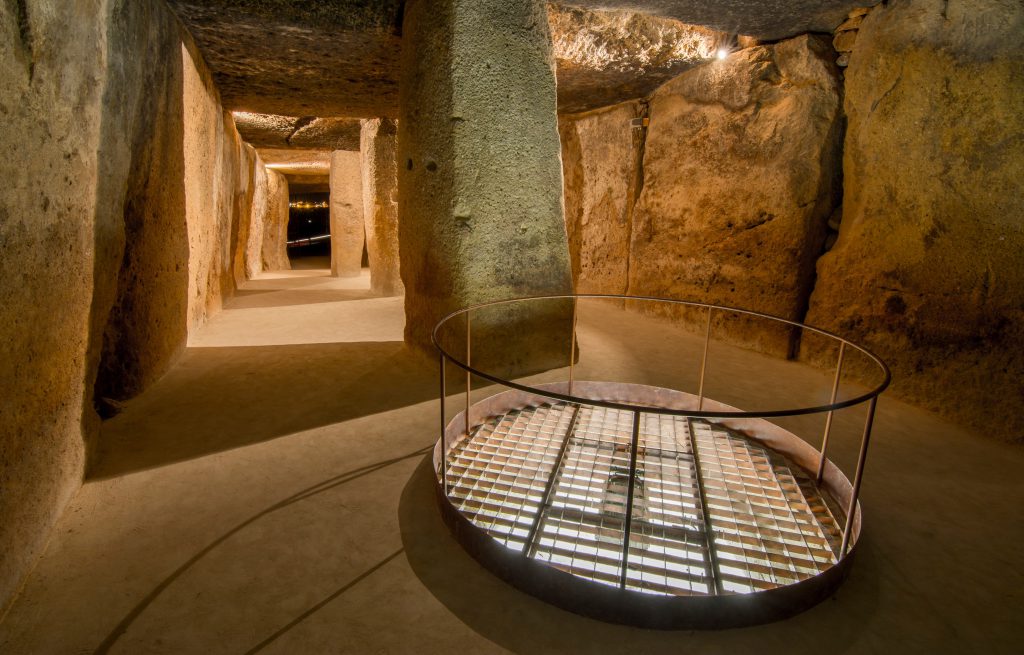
(380, 204)
(479, 176)
(275, 224)
(346, 214)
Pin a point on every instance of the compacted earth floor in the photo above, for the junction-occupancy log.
(272, 493)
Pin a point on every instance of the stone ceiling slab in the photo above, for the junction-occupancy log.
(763, 19)
(295, 58)
(306, 132)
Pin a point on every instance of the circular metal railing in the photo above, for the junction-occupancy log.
(469, 339)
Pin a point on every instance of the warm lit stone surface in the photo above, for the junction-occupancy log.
(307, 132)
(147, 323)
(479, 179)
(380, 204)
(765, 19)
(600, 156)
(741, 171)
(346, 214)
(275, 224)
(927, 269)
(604, 57)
(257, 216)
(52, 80)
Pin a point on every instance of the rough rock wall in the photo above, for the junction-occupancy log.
(600, 159)
(126, 186)
(52, 76)
(927, 269)
(143, 325)
(347, 230)
(740, 175)
(479, 180)
(377, 141)
(245, 199)
(186, 204)
(257, 216)
(211, 164)
(275, 224)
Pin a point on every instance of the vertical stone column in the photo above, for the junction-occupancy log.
(275, 224)
(480, 177)
(380, 203)
(346, 214)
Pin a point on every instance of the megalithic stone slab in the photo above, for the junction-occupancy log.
(480, 179)
(346, 214)
(377, 144)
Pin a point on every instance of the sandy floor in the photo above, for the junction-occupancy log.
(272, 494)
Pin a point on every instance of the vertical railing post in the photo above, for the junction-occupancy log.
(704, 362)
(572, 344)
(444, 438)
(828, 417)
(469, 386)
(628, 529)
(858, 476)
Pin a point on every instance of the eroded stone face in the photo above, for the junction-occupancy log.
(609, 56)
(927, 269)
(740, 173)
(52, 78)
(380, 204)
(275, 224)
(347, 235)
(600, 156)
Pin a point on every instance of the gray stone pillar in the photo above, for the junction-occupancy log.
(380, 203)
(346, 214)
(479, 176)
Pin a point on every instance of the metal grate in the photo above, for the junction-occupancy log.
(553, 481)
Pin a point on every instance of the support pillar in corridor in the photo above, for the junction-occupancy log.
(480, 178)
(346, 214)
(380, 204)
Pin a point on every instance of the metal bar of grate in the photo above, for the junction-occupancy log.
(531, 539)
(630, 491)
(709, 535)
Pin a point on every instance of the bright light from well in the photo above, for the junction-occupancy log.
(723, 52)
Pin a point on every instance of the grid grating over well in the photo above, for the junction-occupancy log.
(713, 511)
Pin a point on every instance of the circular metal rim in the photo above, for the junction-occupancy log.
(629, 607)
(800, 411)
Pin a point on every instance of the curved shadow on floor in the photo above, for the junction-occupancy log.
(220, 398)
(318, 488)
(523, 624)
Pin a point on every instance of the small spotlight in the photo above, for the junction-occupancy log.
(723, 52)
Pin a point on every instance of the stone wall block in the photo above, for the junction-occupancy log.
(347, 228)
(740, 174)
(378, 143)
(927, 267)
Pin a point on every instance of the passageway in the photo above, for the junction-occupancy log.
(272, 494)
